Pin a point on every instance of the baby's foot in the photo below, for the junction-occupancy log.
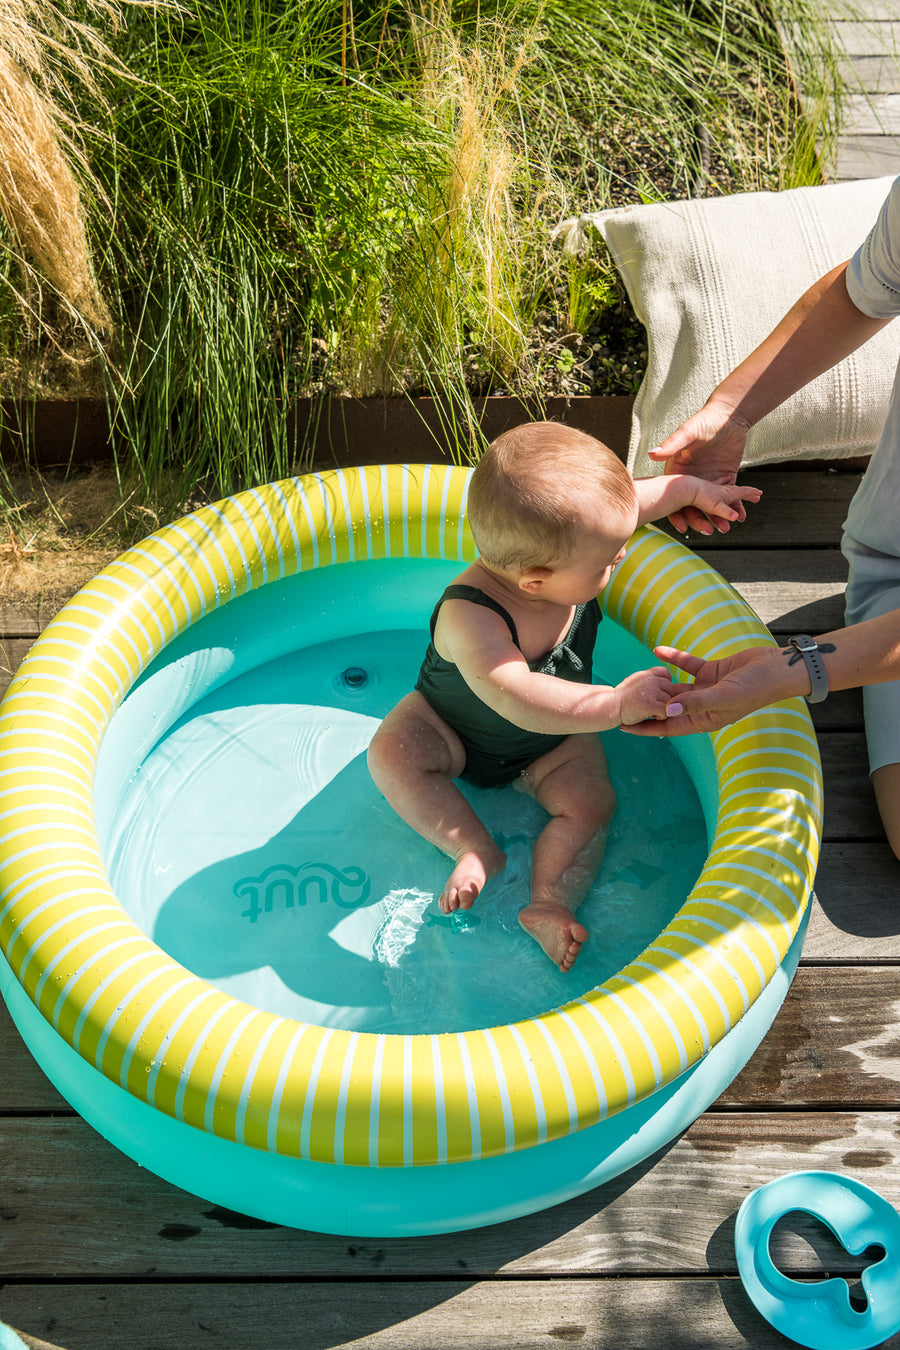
(556, 929)
(468, 878)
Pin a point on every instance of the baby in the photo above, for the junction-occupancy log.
(504, 694)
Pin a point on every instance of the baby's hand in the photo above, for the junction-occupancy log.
(645, 694)
(722, 503)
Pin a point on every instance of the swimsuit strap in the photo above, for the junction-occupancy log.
(476, 597)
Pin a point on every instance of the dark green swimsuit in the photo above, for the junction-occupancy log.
(496, 749)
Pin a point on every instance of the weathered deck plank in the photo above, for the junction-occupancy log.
(855, 915)
(12, 654)
(18, 622)
(632, 1314)
(841, 711)
(869, 144)
(75, 1204)
(873, 115)
(850, 810)
(831, 1030)
(878, 71)
(866, 157)
(792, 592)
(800, 508)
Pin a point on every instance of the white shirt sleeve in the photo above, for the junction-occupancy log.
(873, 275)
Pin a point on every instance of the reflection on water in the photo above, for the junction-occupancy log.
(253, 847)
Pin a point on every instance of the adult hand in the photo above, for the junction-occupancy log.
(709, 445)
(723, 691)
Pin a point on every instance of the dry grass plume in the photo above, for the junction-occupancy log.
(40, 197)
(469, 87)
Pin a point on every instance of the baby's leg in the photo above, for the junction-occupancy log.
(572, 783)
(413, 758)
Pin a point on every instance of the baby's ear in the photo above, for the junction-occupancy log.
(532, 581)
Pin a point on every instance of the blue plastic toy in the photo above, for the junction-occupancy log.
(819, 1314)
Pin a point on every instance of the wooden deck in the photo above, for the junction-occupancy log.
(868, 32)
(96, 1253)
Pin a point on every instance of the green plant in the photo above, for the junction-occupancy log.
(252, 241)
(592, 285)
(294, 198)
(662, 81)
(466, 283)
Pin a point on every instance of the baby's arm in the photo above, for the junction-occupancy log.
(721, 503)
(480, 645)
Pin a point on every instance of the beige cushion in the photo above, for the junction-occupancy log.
(710, 279)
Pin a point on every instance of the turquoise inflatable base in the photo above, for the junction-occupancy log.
(393, 1202)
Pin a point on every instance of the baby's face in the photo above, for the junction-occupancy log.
(599, 547)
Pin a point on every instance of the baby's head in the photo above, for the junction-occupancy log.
(537, 489)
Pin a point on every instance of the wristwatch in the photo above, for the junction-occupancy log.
(809, 650)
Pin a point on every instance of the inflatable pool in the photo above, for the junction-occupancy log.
(330, 1127)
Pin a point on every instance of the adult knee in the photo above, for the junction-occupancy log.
(886, 783)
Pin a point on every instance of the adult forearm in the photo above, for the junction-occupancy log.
(865, 653)
(726, 690)
(821, 329)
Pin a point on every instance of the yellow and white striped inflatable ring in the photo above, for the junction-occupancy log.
(301, 1090)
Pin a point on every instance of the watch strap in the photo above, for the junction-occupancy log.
(809, 650)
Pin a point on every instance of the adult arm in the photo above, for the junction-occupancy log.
(818, 331)
(724, 691)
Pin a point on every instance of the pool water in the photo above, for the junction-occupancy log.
(253, 847)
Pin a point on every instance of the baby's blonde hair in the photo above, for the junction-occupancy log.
(524, 495)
